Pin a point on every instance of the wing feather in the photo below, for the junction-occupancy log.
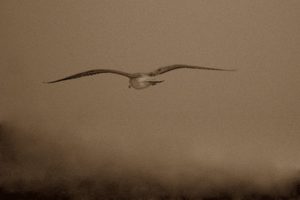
(93, 72)
(165, 69)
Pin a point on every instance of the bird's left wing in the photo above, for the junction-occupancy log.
(165, 69)
(93, 72)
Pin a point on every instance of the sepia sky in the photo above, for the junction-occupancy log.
(217, 118)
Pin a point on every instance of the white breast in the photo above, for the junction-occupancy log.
(140, 82)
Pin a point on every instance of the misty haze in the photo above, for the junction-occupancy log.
(200, 134)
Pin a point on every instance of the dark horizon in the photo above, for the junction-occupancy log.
(56, 176)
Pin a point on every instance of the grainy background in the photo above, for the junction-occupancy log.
(247, 120)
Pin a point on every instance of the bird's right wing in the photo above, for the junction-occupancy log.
(93, 72)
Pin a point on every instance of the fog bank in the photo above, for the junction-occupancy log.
(33, 162)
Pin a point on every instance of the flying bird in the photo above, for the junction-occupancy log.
(139, 80)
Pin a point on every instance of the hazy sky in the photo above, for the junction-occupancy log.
(217, 118)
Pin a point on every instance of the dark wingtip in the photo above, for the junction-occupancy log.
(228, 70)
(59, 80)
(49, 82)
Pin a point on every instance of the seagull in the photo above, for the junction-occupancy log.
(139, 80)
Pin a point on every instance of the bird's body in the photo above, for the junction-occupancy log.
(138, 80)
(143, 81)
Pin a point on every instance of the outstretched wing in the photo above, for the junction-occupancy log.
(165, 69)
(93, 72)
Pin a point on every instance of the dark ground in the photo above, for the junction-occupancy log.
(106, 186)
(60, 193)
